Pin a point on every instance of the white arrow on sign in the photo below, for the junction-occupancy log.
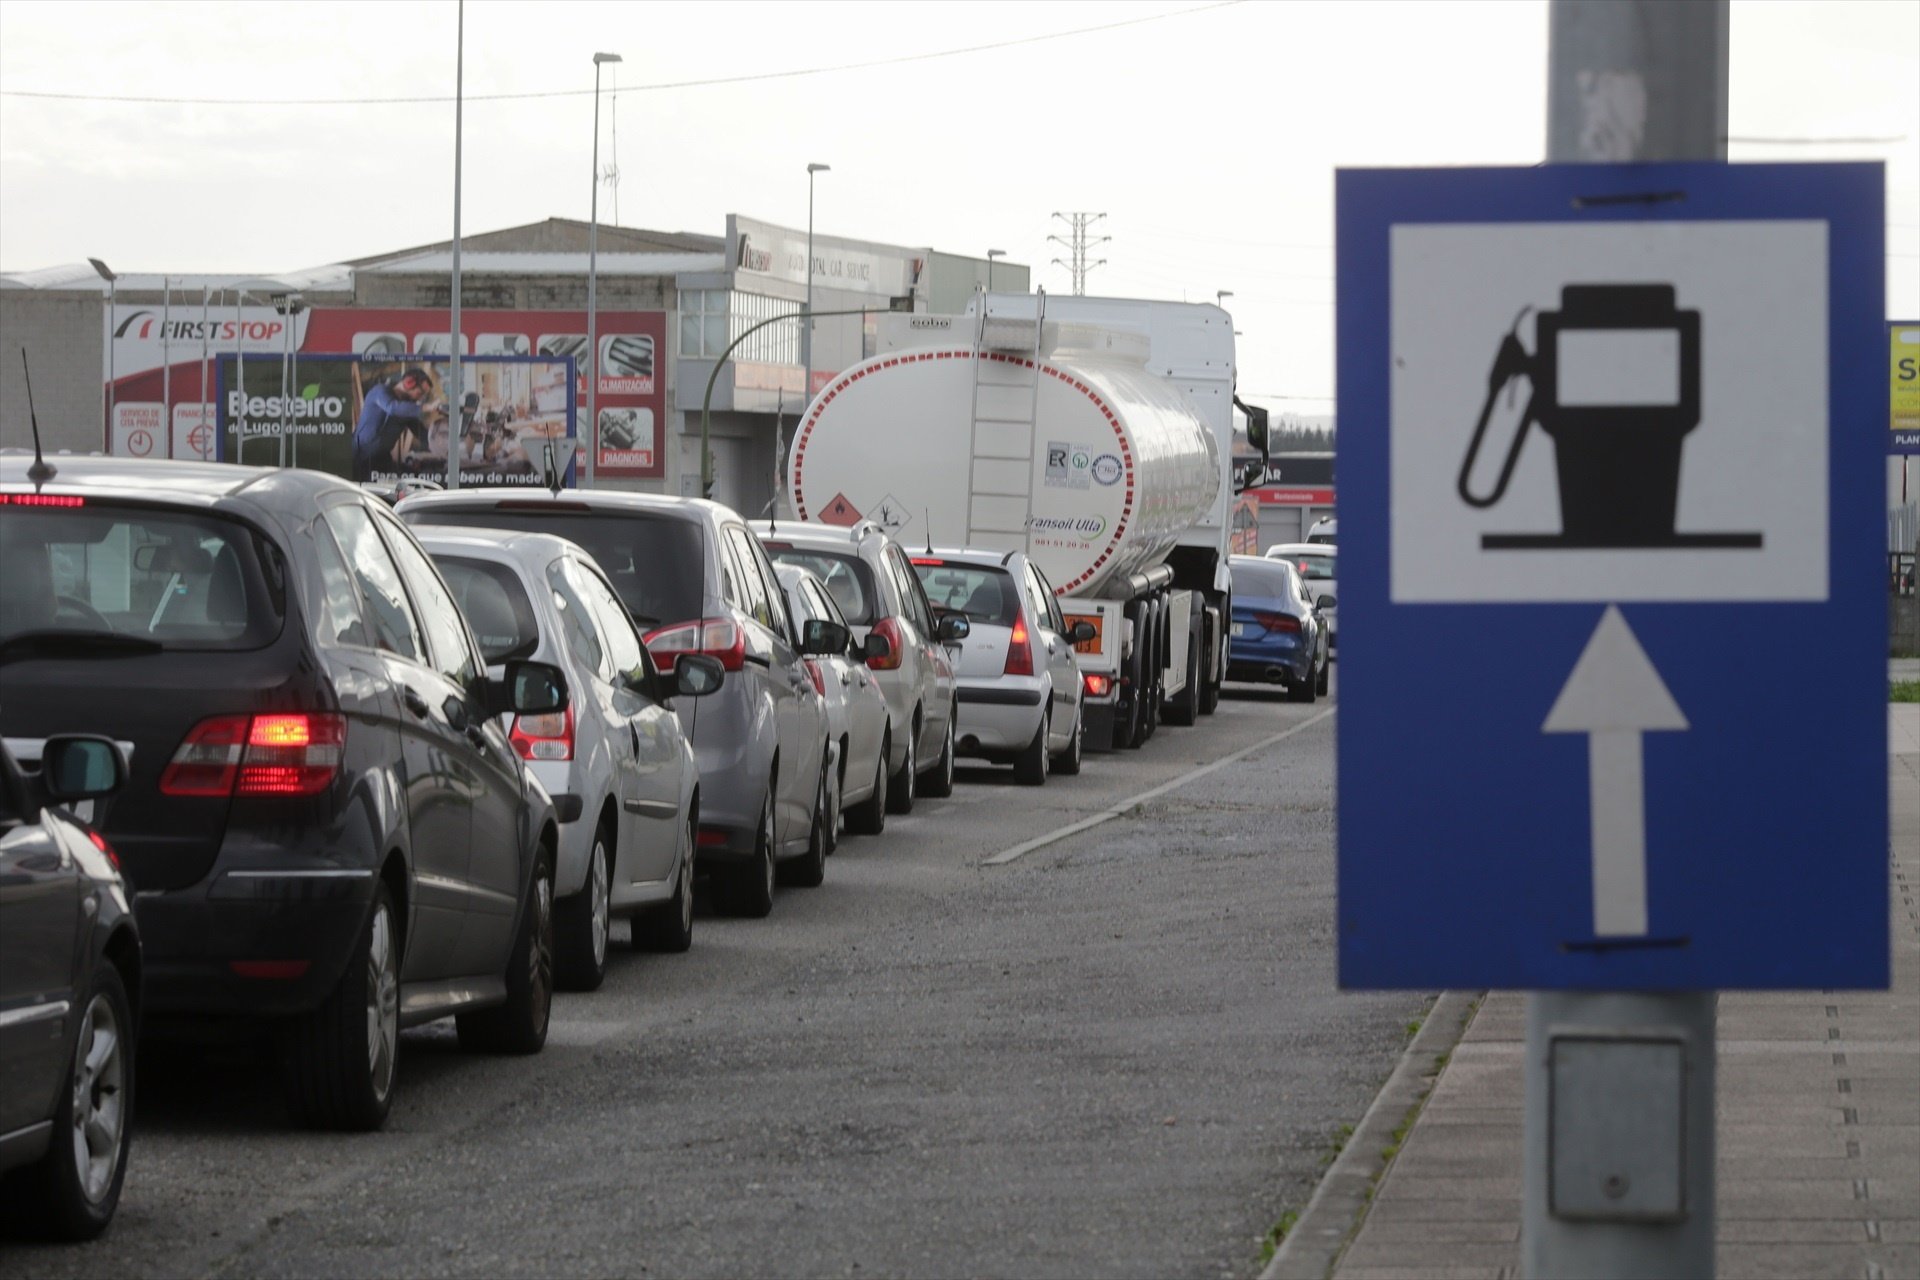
(1614, 695)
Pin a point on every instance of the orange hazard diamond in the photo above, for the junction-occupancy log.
(840, 512)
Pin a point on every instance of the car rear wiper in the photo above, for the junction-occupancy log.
(77, 644)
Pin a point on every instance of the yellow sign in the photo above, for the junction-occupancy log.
(1905, 372)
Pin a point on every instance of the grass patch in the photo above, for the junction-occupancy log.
(1413, 1028)
(1338, 1145)
(1903, 691)
(1270, 1242)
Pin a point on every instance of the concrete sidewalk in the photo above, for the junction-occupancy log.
(1819, 1121)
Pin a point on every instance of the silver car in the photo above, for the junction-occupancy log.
(1020, 689)
(871, 578)
(695, 581)
(620, 771)
(856, 711)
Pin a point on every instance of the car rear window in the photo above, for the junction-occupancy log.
(179, 579)
(983, 593)
(655, 562)
(847, 578)
(1262, 578)
(1312, 567)
(495, 604)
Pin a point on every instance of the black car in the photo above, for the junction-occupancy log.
(69, 995)
(323, 824)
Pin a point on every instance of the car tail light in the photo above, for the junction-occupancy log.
(280, 970)
(100, 843)
(710, 837)
(1019, 649)
(929, 562)
(544, 737)
(889, 628)
(1098, 686)
(1277, 621)
(290, 754)
(817, 676)
(722, 638)
(207, 761)
(41, 500)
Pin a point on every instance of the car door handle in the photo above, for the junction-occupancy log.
(416, 703)
(633, 735)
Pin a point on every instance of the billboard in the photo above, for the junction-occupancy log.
(162, 359)
(1903, 387)
(380, 419)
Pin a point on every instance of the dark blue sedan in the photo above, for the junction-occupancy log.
(1278, 636)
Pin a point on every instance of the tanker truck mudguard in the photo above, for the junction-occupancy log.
(1094, 434)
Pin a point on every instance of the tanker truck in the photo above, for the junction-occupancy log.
(1095, 435)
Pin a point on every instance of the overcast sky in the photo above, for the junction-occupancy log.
(1207, 134)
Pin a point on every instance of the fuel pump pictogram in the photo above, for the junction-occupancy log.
(1617, 439)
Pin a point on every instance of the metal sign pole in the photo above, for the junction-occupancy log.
(1619, 1129)
(455, 395)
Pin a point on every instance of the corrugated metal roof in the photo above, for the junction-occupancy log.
(440, 263)
(333, 278)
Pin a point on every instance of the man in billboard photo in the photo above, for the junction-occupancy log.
(391, 410)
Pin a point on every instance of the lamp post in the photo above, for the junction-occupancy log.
(1220, 297)
(454, 395)
(991, 255)
(806, 329)
(110, 278)
(593, 265)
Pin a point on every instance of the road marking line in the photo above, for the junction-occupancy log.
(1108, 815)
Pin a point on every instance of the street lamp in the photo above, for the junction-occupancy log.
(991, 255)
(593, 320)
(110, 278)
(806, 331)
(1220, 297)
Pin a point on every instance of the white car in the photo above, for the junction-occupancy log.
(1317, 563)
(1324, 531)
(1020, 689)
(621, 772)
(856, 711)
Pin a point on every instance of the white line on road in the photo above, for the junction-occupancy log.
(1108, 815)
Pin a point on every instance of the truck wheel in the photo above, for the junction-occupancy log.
(520, 1025)
(338, 1061)
(1210, 691)
(1183, 709)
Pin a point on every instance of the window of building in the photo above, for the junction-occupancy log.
(712, 318)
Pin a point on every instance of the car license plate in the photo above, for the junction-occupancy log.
(1241, 630)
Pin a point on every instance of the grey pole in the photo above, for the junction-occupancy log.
(592, 433)
(454, 393)
(1619, 1129)
(991, 255)
(166, 363)
(806, 326)
(105, 273)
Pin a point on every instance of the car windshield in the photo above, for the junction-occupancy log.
(846, 576)
(983, 593)
(1266, 579)
(495, 604)
(137, 578)
(655, 562)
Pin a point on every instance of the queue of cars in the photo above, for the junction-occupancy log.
(329, 765)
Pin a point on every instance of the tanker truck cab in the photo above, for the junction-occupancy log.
(1093, 435)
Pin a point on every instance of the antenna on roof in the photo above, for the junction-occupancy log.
(554, 478)
(928, 513)
(39, 472)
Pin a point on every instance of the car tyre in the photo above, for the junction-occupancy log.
(939, 783)
(1030, 766)
(836, 798)
(1326, 676)
(1302, 690)
(869, 817)
(809, 870)
(1067, 763)
(71, 1192)
(668, 928)
(582, 922)
(901, 786)
(749, 889)
(520, 1025)
(339, 1061)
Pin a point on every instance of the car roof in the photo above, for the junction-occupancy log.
(981, 557)
(496, 544)
(602, 501)
(1302, 549)
(199, 484)
(818, 534)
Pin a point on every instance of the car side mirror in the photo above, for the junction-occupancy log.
(954, 627)
(1323, 603)
(823, 636)
(1083, 632)
(696, 675)
(77, 767)
(878, 648)
(527, 689)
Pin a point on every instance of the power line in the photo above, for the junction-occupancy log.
(797, 73)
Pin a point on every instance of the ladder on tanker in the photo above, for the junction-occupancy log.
(1006, 407)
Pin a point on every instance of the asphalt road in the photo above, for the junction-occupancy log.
(1120, 1054)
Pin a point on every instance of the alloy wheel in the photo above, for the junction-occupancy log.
(383, 1003)
(602, 902)
(99, 1113)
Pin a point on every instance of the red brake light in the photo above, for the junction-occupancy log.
(295, 754)
(41, 500)
(544, 737)
(928, 561)
(100, 843)
(1019, 649)
(1277, 621)
(1098, 686)
(722, 638)
(710, 837)
(895, 638)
